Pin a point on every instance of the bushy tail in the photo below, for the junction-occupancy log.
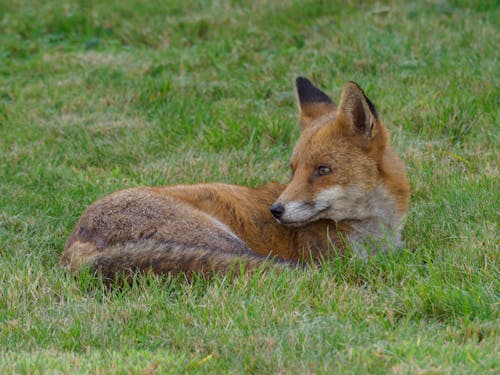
(170, 257)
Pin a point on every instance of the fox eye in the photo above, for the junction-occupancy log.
(323, 170)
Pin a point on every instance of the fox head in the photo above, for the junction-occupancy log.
(342, 165)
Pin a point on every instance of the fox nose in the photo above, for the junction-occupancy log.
(277, 210)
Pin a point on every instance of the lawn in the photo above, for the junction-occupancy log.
(97, 96)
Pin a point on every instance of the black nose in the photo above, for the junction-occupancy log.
(277, 210)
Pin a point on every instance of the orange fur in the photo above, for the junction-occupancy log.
(347, 185)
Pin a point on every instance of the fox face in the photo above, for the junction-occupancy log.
(337, 164)
(327, 182)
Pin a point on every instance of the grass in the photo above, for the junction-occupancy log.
(97, 96)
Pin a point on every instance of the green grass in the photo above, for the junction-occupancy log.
(97, 96)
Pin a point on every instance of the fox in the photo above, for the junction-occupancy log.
(348, 190)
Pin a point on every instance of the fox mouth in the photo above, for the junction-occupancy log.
(299, 223)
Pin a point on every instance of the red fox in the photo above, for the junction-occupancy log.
(348, 189)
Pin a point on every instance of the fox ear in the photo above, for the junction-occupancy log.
(358, 111)
(312, 102)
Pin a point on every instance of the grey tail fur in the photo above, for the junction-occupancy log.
(170, 257)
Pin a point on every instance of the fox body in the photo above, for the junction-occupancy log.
(348, 188)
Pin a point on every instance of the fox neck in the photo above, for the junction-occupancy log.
(377, 226)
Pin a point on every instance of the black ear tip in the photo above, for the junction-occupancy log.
(304, 85)
(308, 93)
(302, 81)
(368, 101)
(356, 85)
